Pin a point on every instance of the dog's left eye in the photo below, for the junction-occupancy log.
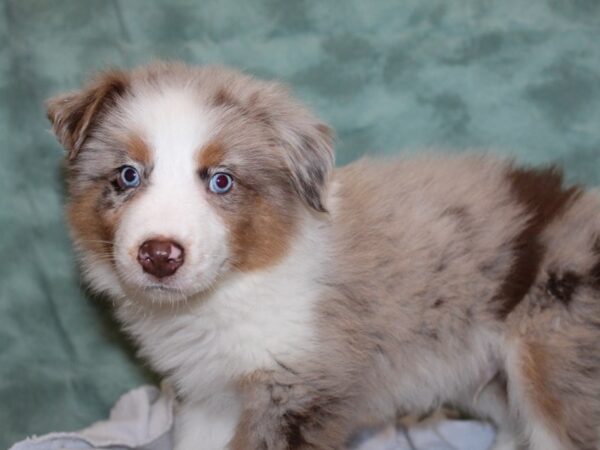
(129, 177)
(220, 183)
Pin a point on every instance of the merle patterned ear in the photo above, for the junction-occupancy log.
(73, 115)
(306, 143)
(310, 158)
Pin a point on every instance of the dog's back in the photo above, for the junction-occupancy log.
(477, 283)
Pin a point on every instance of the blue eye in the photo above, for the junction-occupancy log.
(129, 177)
(220, 183)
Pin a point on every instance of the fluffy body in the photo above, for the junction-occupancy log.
(315, 301)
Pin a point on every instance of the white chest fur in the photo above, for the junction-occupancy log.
(251, 321)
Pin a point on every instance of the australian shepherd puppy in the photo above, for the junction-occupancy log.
(291, 303)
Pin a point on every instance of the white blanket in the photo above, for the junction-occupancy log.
(143, 420)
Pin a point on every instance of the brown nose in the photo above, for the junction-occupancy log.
(160, 257)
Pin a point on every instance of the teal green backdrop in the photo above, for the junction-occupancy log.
(510, 76)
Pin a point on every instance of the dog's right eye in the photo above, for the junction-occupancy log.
(128, 178)
(220, 183)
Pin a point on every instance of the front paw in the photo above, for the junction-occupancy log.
(207, 425)
(284, 413)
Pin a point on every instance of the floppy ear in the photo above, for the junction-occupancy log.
(74, 114)
(310, 158)
(307, 143)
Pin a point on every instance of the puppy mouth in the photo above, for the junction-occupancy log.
(157, 293)
(169, 285)
(162, 288)
(167, 290)
(143, 286)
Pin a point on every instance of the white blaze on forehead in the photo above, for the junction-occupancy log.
(175, 125)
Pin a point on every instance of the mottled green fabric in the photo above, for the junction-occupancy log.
(519, 77)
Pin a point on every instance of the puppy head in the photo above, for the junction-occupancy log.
(179, 175)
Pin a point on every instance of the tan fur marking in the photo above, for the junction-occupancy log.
(260, 237)
(211, 154)
(138, 149)
(536, 370)
(94, 230)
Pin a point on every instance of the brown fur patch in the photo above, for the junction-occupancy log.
(138, 149)
(94, 230)
(212, 154)
(541, 194)
(536, 370)
(259, 236)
